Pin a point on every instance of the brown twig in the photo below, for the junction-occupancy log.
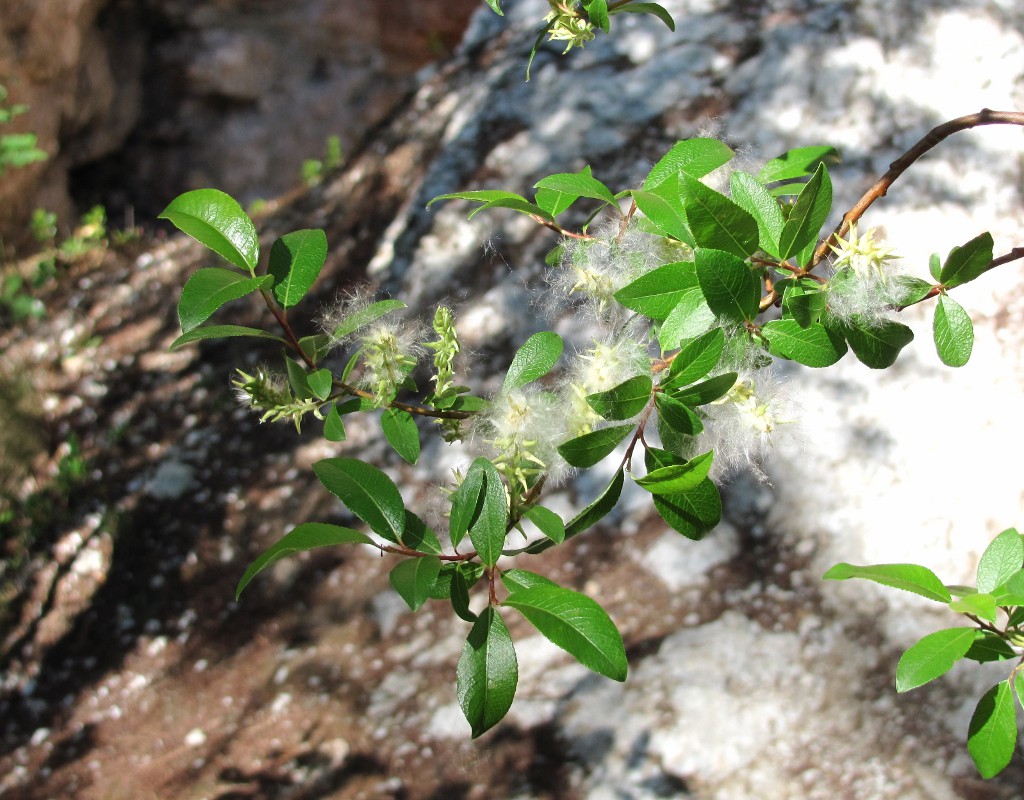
(899, 166)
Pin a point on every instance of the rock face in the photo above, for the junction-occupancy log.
(749, 677)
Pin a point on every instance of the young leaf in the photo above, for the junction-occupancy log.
(298, 379)
(1002, 559)
(547, 522)
(575, 623)
(591, 514)
(797, 163)
(597, 11)
(496, 8)
(364, 317)
(656, 293)
(706, 391)
(812, 346)
(533, 360)
(486, 678)
(953, 332)
(992, 734)
(935, 266)
(731, 288)
(876, 344)
(478, 195)
(320, 381)
(401, 432)
(690, 318)
(694, 513)
(461, 580)
(666, 216)
(966, 263)
(695, 360)
(304, 537)
(647, 8)
(580, 184)
(624, 401)
(1011, 591)
(210, 288)
(588, 449)
(979, 605)
(487, 531)
(909, 290)
(221, 332)
(804, 301)
(932, 656)
(678, 416)
(693, 157)
(295, 262)
(677, 478)
(808, 215)
(989, 647)
(413, 579)
(334, 428)
(909, 577)
(367, 492)
(216, 220)
(516, 204)
(715, 221)
(757, 201)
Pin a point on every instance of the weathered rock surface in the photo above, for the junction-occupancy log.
(749, 678)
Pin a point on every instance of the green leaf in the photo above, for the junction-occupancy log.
(694, 513)
(808, 215)
(210, 288)
(1002, 559)
(909, 290)
(334, 428)
(812, 346)
(624, 401)
(804, 301)
(486, 678)
(478, 195)
(935, 266)
(295, 262)
(417, 535)
(689, 319)
(909, 577)
(547, 522)
(316, 346)
(518, 579)
(413, 579)
(367, 492)
(364, 316)
(656, 293)
(1011, 591)
(590, 448)
(580, 184)
(695, 360)
(221, 332)
(487, 530)
(402, 434)
(992, 734)
(575, 623)
(597, 11)
(715, 221)
(297, 379)
(731, 288)
(320, 381)
(706, 391)
(666, 216)
(953, 332)
(989, 647)
(598, 508)
(216, 220)
(757, 201)
(932, 657)
(876, 344)
(677, 478)
(533, 360)
(467, 501)
(520, 205)
(966, 263)
(797, 163)
(693, 157)
(677, 416)
(303, 537)
(496, 8)
(647, 8)
(977, 604)
(459, 594)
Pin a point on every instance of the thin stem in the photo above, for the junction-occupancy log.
(899, 166)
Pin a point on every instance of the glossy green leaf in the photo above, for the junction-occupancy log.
(908, 290)
(467, 501)
(966, 263)
(804, 301)
(690, 319)
(413, 579)
(757, 201)
(935, 266)
(216, 220)
(812, 346)
(1003, 558)
(597, 509)
(402, 434)
(808, 215)
(597, 11)
(221, 332)
(953, 332)
(909, 577)
(486, 678)
(298, 379)
(693, 514)
(656, 293)
(677, 478)
(461, 580)
(981, 605)
(210, 288)
(695, 360)
(487, 531)
(295, 262)
(518, 579)
(876, 344)
(575, 623)
(731, 288)
(666, 216)
(303, 537)
(932, 657)
(992, 734)
(320, 381)
(418, 536)
(495, 7)
(515, 204)
(580, 184)
(715, 221)
(547, 522)
(364, 316)
(1011, 591)
(334, 428)
(988, 647)
(533, 360)
(693, 157)
(647, 8)
(706, 391)
(678, 416)
(797, 163)
(479, 196)
(588, 449)
(624, 401)
(367, 492)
